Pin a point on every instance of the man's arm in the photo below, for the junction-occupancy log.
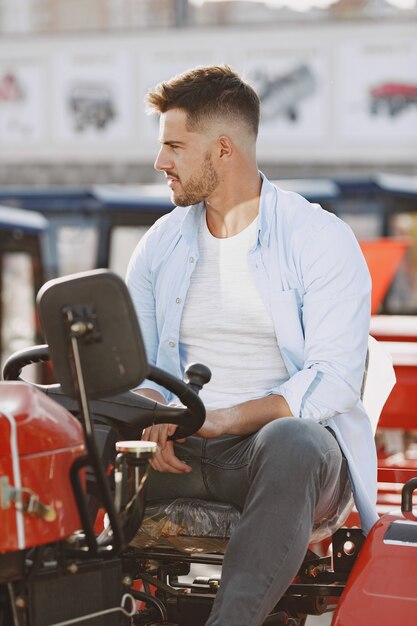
(241, 419)
(244, 419)
(335, 317)
(141, 289)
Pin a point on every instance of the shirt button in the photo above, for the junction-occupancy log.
(191, 259)
(171, 344)
(178, 300)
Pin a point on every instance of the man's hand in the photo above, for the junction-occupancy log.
(165, 460)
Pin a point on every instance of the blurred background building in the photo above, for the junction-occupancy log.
(59, 16)
(337, 80)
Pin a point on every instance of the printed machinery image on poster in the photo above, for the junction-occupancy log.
(378, 93)
(292, 92)
(92, 97)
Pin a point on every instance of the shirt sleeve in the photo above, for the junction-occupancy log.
(139, 283)
(335, 316)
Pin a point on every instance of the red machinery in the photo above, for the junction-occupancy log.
(382, 584)
(38, 445)
(55, 570)
(383, 257)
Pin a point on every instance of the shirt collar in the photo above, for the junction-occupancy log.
(190, 222)
(267, 207)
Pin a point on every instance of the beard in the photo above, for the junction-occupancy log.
(199, 186)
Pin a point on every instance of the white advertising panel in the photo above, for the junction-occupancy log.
(377, 91)
(92, 97)
(340, 93)
(292, 84)
(22, 101)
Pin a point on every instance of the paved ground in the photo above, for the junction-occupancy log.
(320, 620)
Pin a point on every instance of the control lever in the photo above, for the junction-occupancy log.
(191, 417)
(196, 376)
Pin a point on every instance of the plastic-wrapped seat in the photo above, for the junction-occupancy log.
(188, 525)
(194, 526)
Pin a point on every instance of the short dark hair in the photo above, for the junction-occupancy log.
(204, 93)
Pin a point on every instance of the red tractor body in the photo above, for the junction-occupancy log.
(39, 441)
(381, 588)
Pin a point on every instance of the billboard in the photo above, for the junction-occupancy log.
(330, 92)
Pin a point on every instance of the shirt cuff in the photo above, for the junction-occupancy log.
(295, 389)
(149, 384)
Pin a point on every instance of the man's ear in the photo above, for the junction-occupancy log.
(225, 147)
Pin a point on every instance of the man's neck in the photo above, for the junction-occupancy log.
(234, 207)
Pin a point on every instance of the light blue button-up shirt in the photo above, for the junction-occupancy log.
(313, 280)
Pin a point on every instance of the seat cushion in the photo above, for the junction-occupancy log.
(188, 525)
(194, 526)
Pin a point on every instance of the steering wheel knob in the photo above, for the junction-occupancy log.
(196, 375)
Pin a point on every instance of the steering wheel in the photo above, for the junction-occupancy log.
(128, 411)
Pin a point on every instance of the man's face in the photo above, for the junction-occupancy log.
(185, 159)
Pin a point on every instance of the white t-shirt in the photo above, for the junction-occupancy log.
(225, 324)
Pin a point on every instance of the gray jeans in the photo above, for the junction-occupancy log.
(284, 477)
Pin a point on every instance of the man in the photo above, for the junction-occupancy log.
(273, 294)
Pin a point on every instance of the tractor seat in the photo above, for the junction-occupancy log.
(201, 526)
(188, 525)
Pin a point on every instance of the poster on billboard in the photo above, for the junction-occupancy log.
(292, 84)
(376, 94)
(92, 97)
(22, 102)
